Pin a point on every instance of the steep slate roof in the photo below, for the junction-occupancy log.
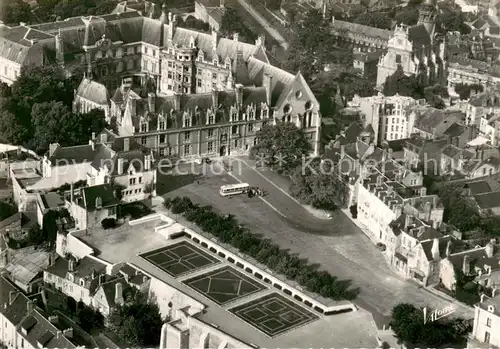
(419, 36)
(74, 155)
(83, 268)
(103, 191)
(488, 200)
(93, 91)
(427, 247)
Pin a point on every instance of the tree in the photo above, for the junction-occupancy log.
(317, 184)
(6, 210)
(403, 85)
(50, 121)
(434, 95)
(5, 90)
(135, 321)
(464, 90)
(281, 147)
(35, 235)
(71, 305)
(89, 318)
(408, 15)
(408, 325)
(15, 11)
(11, 131)
(452, 20)
(373, 19)
(354, 211)
(232, 23)
(314, 47)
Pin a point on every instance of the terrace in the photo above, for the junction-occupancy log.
(237, 302)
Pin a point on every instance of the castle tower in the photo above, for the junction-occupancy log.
(427, 16)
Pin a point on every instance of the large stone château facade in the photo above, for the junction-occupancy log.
(178, 91)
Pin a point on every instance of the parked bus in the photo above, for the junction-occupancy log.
(234, 189)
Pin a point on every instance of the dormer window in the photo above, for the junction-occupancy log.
(216, 60)
(264, 113)
(491, 308)
(211, 118)
(82, 282)
(227, 63)
(144, 127)
(251, 114)
(161, 125)
(234, 116)
(287, 109)
(187, 121)
(201, 56)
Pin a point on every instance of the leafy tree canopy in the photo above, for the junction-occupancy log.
(407, 322)
(316, 184)
(232, 23)
(373, 19)
(50, 10)
(313, 47)
(465, 90)
(15, 11)
(281, 146)
(193, 23)
(134, 322)
(37, 111)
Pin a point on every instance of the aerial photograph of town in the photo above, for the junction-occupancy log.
(250, 174)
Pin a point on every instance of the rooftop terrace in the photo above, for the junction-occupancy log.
(126, 243)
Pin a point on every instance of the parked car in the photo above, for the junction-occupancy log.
(381, 246)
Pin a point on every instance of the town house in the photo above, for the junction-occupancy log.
(485, 332)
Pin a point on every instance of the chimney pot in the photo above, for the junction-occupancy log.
(126, 144)
(119, 293)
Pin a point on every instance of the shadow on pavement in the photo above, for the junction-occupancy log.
(170, 182)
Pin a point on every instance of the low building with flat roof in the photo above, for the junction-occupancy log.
(218, 297)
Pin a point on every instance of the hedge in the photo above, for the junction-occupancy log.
(227, 229)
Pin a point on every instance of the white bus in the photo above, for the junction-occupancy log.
(234, 189)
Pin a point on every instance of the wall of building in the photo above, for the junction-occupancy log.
(481, 326)
(164, 294)
(374, 214)
(9, 71)
(69, 288)
(136, 184)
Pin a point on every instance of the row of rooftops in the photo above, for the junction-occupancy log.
(29, 320)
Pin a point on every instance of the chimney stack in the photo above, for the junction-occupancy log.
(72, 192)
(494, 292)
(98, 202)
(147, 162)
(126, 144)
(466, 265)
(68, 333)
(239, 94)
(54, 319)
(267, 82)
(151, 102)
(436, 255)
(214, 41)
(448, 248)
(29, 306)
(215, 99)
(52, 148)
(120, 166)
(236, 37)
(119, 293)
(91, 142)
(407, 221)
(93, 135)
(59, 334)
(12, 296)
(71, 264)
(104, 138)
(101, 279)
(177, 101)
(490, 248)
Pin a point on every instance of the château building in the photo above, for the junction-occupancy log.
(178, 91)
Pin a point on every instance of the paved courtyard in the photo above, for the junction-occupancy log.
(338, 245)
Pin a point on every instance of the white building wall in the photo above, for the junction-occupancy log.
(374, 214)
(481, 326)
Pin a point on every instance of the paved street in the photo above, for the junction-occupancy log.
(338, 245)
